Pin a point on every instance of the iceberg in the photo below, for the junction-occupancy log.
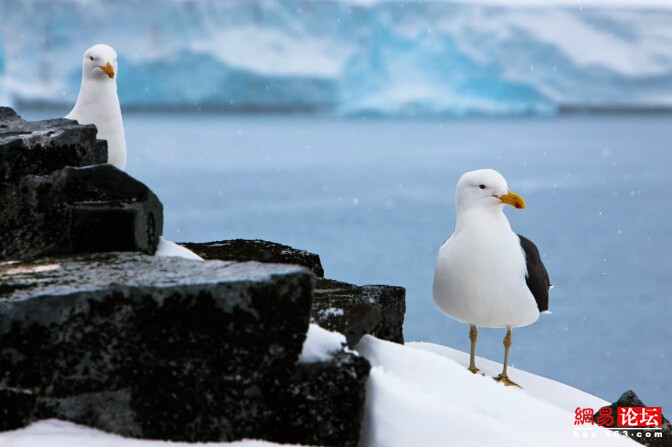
(384, 57)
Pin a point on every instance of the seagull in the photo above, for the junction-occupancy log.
(486, 275)
(98, 102)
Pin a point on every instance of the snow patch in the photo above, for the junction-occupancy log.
(331, 312)
(55, 433)
(320, 344)
(167, 248)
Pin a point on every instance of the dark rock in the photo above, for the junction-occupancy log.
(16, 408)
(41, 147)
(337, 306)
(323, 403)
(243, 250)
(359, 310)
(150, 347)
(146, 347)
(79, 210)
(646, 437)
(107, 410)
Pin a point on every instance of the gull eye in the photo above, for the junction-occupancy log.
(482, 186)
(91, 57)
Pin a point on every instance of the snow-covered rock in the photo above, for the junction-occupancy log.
(389, 57)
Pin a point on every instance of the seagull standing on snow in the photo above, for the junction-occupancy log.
(98, 102)
(487, 275)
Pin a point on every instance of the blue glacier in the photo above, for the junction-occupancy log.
(343, 57)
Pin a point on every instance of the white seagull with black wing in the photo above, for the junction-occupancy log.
(486, 275)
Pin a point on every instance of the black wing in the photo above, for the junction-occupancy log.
(537, 276)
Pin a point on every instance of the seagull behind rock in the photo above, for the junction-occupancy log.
(487, 275)
(98, 102)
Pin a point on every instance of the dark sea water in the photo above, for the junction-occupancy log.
(375, 199)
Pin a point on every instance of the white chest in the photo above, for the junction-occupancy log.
(480, 277)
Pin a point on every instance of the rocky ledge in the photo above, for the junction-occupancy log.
(643, 436)
(338, 306)
(167, 348)
(243, 250)
(162, 348)
(42, 147)
(53, 205)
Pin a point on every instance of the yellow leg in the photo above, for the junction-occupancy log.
(503, 377)
(473, 335)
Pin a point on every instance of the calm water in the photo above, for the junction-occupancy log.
(375, 199)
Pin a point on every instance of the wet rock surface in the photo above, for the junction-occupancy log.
(151, 347)
(338, 306)
(323, 404)
(358, 310)
(644, 436)
(79, 210)
(243, 250)
(16, 408)
(41, 147)
(53, 205)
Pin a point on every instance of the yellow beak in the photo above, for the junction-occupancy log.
(107, 69)
(513, 199)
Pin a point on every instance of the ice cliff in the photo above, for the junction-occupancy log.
(344, 57)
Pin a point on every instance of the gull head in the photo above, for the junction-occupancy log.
(100, 63)
(485, 188)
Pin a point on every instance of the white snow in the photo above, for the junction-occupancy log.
(171, 249)
(331, 312)
(556, 393)
(320, 344)
(55, 433)
(420, 394)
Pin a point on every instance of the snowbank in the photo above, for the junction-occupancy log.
(422, 394)
(54, 433)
